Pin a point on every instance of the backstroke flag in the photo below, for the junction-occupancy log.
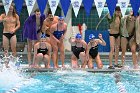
(30, 5)
(65, 6)
(7, 4)
(135, 6)
(42, 5)
(76, 6)
(18, 5)
(53, 5)
(123, 6)
(88, 5)
(111, 6)
(99, 6)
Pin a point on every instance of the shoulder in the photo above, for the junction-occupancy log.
(54, 25)
(48, 44)
(84, 42)
(56, 17)
(55, 20)
(17, 16)
(65, 24)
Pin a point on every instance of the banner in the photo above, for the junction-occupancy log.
(18, 5)
(53, 5)
(76, 6)
(30, 5)
(123, 6)
(7, 4)
(111, 6)
(88, 5)
(42, 5)
(65, 6)
(135, 4)
(99, 6)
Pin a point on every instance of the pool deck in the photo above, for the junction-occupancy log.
(104, 70)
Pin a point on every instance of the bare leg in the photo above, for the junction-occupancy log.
(54, 54)
(134, 57)
(82, 56)
(117, 46)
(138, 56)
(47, 61)
(29, 55)
(13, 42)
(123, 47)
(74, 62)
(111, 53)
(99, 62)
(6, 48)
(38, 58)
(90, 62)
(62, 55)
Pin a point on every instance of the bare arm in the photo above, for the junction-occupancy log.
(18, 23)
(49, 49)
(52, 29)
(85, 45)
(101, 40)
(1, 17)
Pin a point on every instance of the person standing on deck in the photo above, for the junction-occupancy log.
(128, 37)
(114, 37)
(47, 23)
(11, 24)
(57, 36)
(138, 36)
(32, 32)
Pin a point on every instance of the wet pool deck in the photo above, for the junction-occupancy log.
(104, 70)
(103, 55)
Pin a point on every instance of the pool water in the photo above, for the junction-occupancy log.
(74, 81)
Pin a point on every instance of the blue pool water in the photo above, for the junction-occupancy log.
(76, 82)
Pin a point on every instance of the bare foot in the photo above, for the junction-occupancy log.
(48, 66)
(136, 66)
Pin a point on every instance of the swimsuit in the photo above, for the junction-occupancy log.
(58, 33)
(115, 35)
(93, 52)
(43, 51)
(77, 50)
(8, 35)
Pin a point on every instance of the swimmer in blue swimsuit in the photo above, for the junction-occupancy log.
(78, 48)
(57, 35)
(93, 50)
(42, 52)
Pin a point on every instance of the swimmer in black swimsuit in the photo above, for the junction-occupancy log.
(93, 50)
(42, 52)
(130, 38)
(78, 48)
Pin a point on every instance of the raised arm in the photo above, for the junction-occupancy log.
(101, 40)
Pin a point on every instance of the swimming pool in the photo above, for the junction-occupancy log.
(76, 81)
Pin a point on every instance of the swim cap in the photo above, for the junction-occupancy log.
(78, 36)
(91, 36)
(61, 18)
(43, 36)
